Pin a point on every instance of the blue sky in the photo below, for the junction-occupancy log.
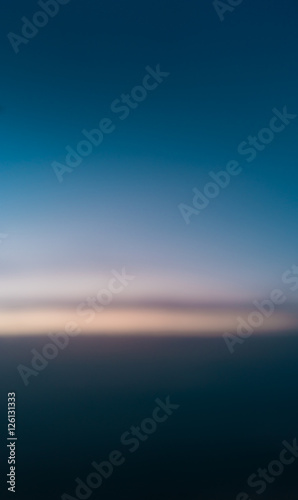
(120, 206)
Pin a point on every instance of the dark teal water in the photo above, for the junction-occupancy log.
(235, 411)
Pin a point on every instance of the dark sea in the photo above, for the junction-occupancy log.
(234, 413)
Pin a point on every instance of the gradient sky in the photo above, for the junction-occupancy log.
(119, 208)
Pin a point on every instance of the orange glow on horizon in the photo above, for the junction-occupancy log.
(137, 321)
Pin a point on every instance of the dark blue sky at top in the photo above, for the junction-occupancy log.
(120, 206)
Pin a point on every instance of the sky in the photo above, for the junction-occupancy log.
(120, 207)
